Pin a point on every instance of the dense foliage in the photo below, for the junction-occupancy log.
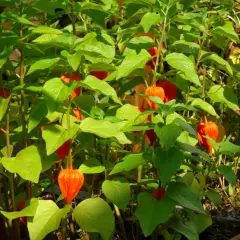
(117, 118)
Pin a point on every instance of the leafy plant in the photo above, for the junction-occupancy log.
(102, 106)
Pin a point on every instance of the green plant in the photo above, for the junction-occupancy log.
(79, 90)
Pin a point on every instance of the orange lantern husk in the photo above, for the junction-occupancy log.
(209, 129)
(154, 91)
(70, 182)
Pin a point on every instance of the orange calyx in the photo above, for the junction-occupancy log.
(209, 129)
(70, 182)
(154, 91)
(170, 90)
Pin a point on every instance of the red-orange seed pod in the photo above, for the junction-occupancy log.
(62, 151)
(77, 113)
(153, 52)
(170, 90)
(67, 80)
(70, 182)
(154, 91)
(100, 74)
(159, 193)
(4, 93)
(209, 129)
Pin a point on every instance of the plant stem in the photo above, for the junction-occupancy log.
(121, 222)
(69, 162)
(73, 18)
(160, 46)
(22, 110)
(11, 178)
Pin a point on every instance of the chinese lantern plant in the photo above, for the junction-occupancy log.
(56, 61)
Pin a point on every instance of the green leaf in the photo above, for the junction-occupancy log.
(182, 194)
(214, 196)
(37, 114)
(199, 103)
(46, 39)
(127, 112)
(193, 149)
(129, 162)
(97, 48)
(103, 87)
(228, 173)
(28, 87)
(132, 62)
(95, 215)
(55, 136)
(224, 95)
(28, 211)
(142, 2)
(48, 161)
(220, 62)
(202, 222)
(101, 128)
(43, 64)
(187, 228)
(186, 47)
(4, 153)
(151, 212)
(15, 18)
(27, 164)
(182, 63)
(117, 191)
(74, 60)
(167, 162)
(185, 138)
(122, 139)
(97, 12)
(3, 106)
(228, 148)
(55, 92)
(7, 51)
(47, 219)
(91, 166)
(148, 20)
(45, 30)
(168, 134)
(226, 30)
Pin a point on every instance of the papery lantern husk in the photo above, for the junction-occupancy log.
(209, 129)
(170, 90)
(154, 91)
(70, 182)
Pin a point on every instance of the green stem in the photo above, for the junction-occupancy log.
(69, 162)
(73, 18)
(22, 109)
(121, 222)
(64, 228)
(11, 178)
(140, 168)
(160, 46)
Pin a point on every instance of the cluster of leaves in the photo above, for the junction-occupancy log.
(194, 40)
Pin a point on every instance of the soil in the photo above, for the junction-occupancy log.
(225, 226)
